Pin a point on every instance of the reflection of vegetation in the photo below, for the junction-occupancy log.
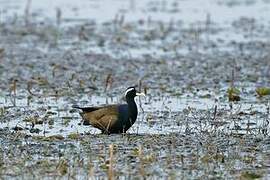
(54, 66)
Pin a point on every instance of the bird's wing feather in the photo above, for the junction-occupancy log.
(102, 118)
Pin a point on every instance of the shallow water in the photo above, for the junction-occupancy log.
(157, 115)
(186, 126)
(222, 12)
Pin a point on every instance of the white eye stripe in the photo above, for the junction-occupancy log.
(129, 89)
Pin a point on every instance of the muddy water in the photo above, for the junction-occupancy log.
(163, 115)
(54, 55)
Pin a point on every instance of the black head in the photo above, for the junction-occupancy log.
(131, 93)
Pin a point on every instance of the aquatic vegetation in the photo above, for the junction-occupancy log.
(233, 94)
(263, 91)
(62, 167)
(189, 66)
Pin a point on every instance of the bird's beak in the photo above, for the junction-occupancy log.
(140, 94)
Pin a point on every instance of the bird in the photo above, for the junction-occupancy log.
(113, 119)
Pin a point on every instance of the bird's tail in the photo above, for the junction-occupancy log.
(76, 106)
(81, 113)
(85, 109)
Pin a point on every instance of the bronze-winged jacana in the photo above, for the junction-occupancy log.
(116, 118)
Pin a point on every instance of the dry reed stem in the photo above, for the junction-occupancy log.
(110, 171)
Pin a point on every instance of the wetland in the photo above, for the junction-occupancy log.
(204, 67)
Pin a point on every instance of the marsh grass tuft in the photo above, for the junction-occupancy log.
(62, 167)
(263, 91)
(111, 163)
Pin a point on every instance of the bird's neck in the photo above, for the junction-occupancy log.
(132, 110)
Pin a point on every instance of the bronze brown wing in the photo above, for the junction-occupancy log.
(103, 118)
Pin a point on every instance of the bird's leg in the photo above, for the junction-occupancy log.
(105, 132)
(86, 122)
(108, 126)
(124, 131)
